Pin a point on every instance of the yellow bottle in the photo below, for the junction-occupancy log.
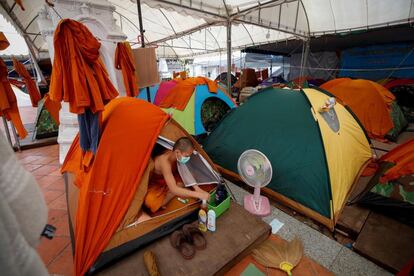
(202, 217)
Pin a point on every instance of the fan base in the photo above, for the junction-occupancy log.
(264, 206)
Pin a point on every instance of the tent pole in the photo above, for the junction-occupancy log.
(229, 56)
(141, 31)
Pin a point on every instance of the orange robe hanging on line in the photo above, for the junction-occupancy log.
(181, 93)
(8, 102)
(125, 62)
(53, 108)
(4, 43)
(79, 76)
(30, 83)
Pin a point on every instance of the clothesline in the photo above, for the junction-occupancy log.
(353, 69)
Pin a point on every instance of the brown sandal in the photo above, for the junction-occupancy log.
(179, 241)
(195, 236)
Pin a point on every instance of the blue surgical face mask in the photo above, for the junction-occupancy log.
(184, 159)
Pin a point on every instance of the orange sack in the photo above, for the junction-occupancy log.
(106, 189)
(8, 102)
(30, 83)
(125, 62)
(181, 93)
(4, 43)
(79, 76)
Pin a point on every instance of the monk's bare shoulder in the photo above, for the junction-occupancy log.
(162, 164)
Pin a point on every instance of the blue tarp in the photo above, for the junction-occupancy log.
(369, 59)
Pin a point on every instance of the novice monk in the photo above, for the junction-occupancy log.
(163, 184)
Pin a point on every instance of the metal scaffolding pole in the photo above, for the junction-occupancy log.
(141, 30)
(229, 56)
(305, 56)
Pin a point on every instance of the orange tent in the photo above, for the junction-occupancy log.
(4, 43)
(79, 76)
(105, 199)
(30, 84)
(181, 93)
(370, 102)
(124, 61)
(108, 187)
(8, 102)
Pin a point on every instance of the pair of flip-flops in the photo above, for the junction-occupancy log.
(188, 240)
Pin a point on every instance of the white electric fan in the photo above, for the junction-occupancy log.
(255, 169)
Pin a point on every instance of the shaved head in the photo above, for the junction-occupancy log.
(183, 144)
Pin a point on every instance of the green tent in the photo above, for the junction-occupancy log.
(302, 145)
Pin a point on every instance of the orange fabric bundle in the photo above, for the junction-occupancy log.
(403, 157)
(4, 43)
(130, 128)
(181, 93)
(124, 61)
(53, 108)
(30, 83)
(8, 102)
(370, 102)
(79, 76)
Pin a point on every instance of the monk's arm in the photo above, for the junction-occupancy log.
(174, 188)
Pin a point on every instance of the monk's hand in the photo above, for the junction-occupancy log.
(204, 196)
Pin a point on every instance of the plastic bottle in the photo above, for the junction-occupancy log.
(211, 221)
(202, 217)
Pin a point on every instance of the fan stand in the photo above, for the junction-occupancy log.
(257, 204)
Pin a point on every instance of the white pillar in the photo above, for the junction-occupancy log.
(100, 20)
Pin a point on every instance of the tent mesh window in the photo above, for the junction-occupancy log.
(331, 119)
(212, 111)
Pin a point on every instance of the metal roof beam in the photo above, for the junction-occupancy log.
(183, 33)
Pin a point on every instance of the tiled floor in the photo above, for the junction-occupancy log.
(57, 254)
(43, 163)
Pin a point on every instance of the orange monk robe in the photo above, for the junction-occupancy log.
(79, 76)
(53, 108)
(4, 43)
(157, 191)
(181, 93)
(30, 83)
(124, 61)
(8, 102)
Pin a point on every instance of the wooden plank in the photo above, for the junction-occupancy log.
(386, 242)
(352, 220)
(353, 217)
(237, 233)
